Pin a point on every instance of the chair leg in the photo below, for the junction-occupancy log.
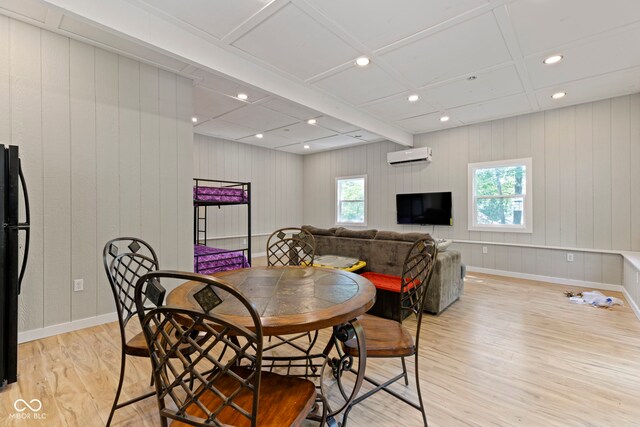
(346, 414)
(424, 414)
(119, 389)
(315, 415)
(384, 387)
(404, 370)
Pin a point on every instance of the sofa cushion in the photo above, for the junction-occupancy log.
(402, 237)
(319, 231)
(388, 256)
(353, 248)
(356, 234)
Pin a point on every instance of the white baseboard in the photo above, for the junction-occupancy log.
(62, 328)
(631, 302)
(48, 331)
(548, 279)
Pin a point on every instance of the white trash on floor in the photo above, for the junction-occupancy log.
(596, 299)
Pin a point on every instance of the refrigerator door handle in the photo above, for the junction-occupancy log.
(24, 226)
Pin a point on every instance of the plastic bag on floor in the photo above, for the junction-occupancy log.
(597, 299)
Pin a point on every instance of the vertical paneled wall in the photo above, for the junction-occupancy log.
(106, 144)
(585, 182)
(276, 189)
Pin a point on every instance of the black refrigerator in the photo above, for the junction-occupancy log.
(14, 250)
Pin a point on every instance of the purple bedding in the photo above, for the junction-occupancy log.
(212, 260)
(219, 194)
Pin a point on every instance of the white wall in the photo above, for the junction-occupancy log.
(106, 145)
(585, 182)
(276, 189)
(632, 283)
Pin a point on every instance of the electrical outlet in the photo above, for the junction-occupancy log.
(244, 241)
(570, 257)
(637, 276)
(485, 250)
(78, 285)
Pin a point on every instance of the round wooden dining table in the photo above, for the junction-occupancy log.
(289, 300)
(292, 300)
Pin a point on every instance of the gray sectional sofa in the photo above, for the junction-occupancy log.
(385, 251)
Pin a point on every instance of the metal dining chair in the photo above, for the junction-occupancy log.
(229, 387)
(125, 260)
(292, 246)
(387, 338)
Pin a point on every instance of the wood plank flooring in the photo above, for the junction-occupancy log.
(510, 352)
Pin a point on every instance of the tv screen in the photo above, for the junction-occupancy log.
(424, 208)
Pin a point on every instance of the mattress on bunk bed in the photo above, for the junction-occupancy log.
(219, 194)
(209, 260)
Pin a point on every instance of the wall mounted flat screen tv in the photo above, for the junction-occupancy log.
(424, 208)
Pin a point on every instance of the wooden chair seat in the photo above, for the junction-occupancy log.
(384, 338)
(137, 346)
(283, 401)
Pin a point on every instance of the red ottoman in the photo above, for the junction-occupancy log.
(387, 303)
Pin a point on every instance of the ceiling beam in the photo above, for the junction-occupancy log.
(125, 19)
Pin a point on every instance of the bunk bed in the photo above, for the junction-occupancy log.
(207, 193)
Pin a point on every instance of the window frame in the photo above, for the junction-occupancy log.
(338, 201)
(527, 197)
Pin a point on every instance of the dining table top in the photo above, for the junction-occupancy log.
(288, 299)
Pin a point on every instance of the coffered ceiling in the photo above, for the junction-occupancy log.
(469, 60)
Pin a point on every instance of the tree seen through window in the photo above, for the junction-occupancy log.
(351, 200)
(499, 195)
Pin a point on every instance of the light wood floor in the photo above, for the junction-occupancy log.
(509, 352)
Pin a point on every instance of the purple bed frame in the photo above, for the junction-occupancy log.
(209, 260)
(219, 195)
(207, 193)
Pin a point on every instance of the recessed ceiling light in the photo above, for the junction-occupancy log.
(363, 61)
(554, 59)
(413, 98)
(559, 95)
(306, 146)
(444, 118)
(312, 121)
(259, 135)
(243, 96)
(194, 119)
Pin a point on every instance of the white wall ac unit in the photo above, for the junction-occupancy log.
(415, 155)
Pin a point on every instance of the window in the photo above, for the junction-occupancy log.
(351, 192)
(500, 196)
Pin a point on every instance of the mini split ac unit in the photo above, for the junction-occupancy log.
(414, 155)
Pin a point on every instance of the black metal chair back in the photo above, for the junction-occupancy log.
(290, 246)
(416, 274)
(196, 388)
(126, 259)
